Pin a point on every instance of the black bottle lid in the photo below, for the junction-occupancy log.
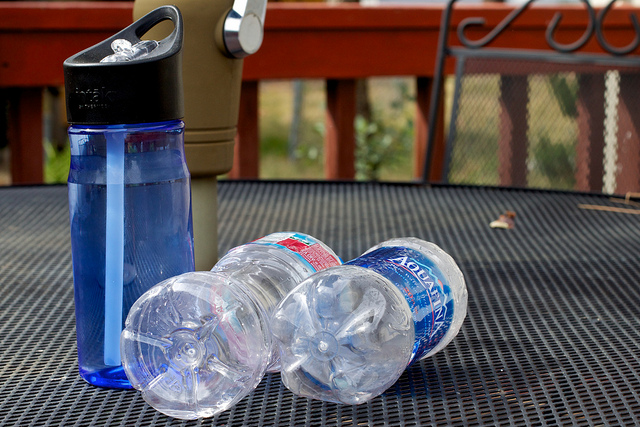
(144, 90)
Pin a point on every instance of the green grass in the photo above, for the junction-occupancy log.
(383, 143)
(56, 167)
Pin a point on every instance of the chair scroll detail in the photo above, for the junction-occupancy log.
(551, 28)
(602, 40)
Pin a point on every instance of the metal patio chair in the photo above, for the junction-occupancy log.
(553, 119)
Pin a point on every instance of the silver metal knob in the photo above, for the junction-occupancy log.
(243, 28)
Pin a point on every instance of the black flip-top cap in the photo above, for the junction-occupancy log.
(144, 90)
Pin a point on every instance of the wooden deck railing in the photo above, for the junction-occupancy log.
(338, 43)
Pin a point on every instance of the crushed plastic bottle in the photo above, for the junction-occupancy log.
(124, 51)
(197, 343)
(347, 333)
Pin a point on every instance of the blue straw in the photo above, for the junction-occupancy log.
(114, 256)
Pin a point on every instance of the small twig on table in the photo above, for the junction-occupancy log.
(610, 209)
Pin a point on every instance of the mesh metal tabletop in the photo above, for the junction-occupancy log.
(552, 335)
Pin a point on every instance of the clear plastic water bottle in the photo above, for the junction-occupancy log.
(197, 343)
(129, 186)
(347, 333)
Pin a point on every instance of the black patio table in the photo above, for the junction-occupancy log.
(552, 334)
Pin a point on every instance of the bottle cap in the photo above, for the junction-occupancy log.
(142, 90)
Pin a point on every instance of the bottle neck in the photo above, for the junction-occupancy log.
(266, 277)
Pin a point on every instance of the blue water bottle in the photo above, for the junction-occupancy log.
(129, 186)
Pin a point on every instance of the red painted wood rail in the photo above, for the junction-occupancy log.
(339, 43)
